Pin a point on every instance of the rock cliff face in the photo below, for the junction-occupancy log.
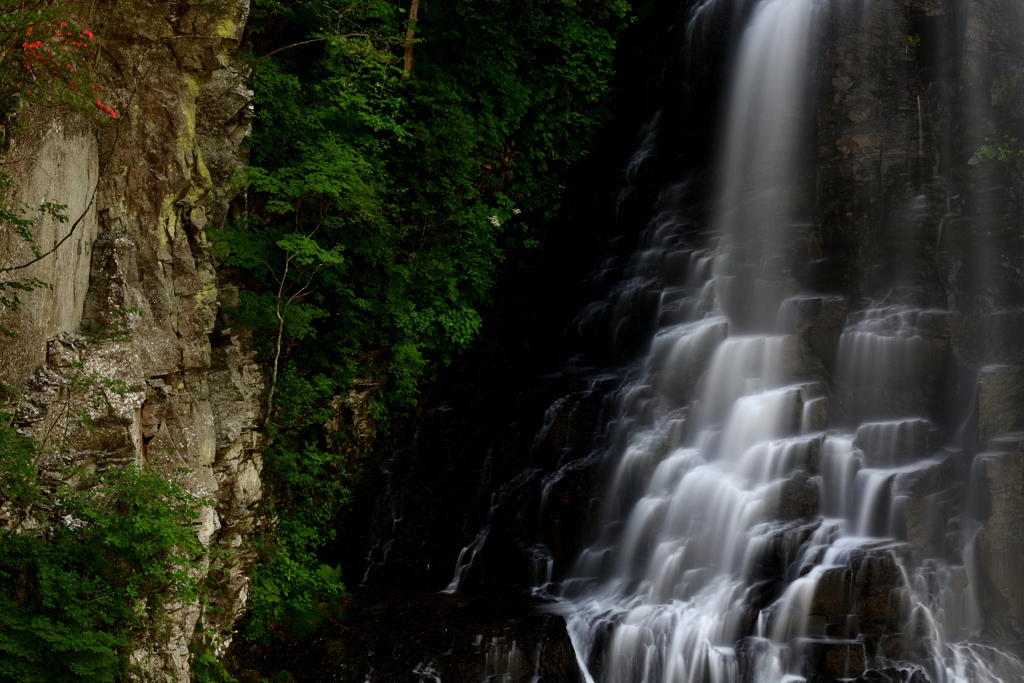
(132, 315)
(908, 213)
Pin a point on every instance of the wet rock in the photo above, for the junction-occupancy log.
(778, 550)
(892, 357)
(502, 561)
(681, 355)
(798, 497)
(395, 637)
(1004, 334)
(1000, 401)
(568, 509)
(878, 582)
(520, 653)
(892, 675)
(923, 501)
(749, 652)
(815, 414)
(887, 444)
(998, 481)
(843, 626)
(568, 428)
(818, 321)
(829, 660)
(869, 587)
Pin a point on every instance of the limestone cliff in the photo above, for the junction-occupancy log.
(131, 319)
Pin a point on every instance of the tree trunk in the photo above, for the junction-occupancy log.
(410, 33)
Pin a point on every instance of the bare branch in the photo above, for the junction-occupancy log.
(286, 47)
(277, 343)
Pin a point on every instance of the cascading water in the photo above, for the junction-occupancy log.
(781, 495)
(742, 542)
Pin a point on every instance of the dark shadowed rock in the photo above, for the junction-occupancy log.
(892, 675)
(1000, 401)
(818, 321)
(798, 497)
(831, 660)
(870, 587)
(567, 508)
(886, 444)
(998, 481)
(923, 499)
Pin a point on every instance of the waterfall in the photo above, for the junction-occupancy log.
(765, 119)
(782, 486)
(748, 536)
(694, 518)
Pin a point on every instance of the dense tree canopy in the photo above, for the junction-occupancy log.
(381, 203)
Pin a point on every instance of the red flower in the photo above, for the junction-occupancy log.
(107, 110)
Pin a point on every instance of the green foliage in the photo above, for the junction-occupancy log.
(379, 212)
(292, 591)
(206, 667)
(86, 565)
(18, 484)
(395, 200)
(914, 40)
(1005, 150)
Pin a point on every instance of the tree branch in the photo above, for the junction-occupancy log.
(286, 47)
(277, 344)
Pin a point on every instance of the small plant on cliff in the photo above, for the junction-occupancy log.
(1005, 150)
(21, 222)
